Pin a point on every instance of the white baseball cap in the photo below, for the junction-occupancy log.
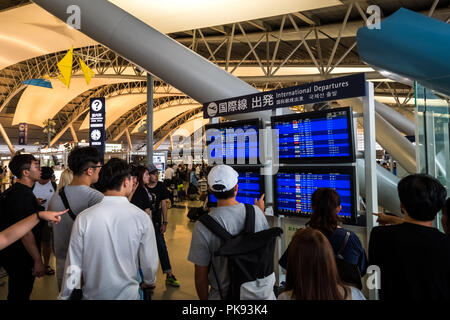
(222, 178)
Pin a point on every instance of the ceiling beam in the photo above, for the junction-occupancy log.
(260, 24)
(308, 18)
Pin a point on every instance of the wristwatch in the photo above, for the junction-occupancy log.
(165, 222)
(37, 213)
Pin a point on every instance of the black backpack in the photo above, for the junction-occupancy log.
(250, 255)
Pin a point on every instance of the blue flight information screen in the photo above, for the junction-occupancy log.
(294, 191)
(321, 135)
(238, 144)
(249, 188)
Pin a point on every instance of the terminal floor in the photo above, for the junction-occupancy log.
(178, 239)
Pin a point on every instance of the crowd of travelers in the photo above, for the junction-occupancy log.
(105, 224)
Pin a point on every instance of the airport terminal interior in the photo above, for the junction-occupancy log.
(356, 94)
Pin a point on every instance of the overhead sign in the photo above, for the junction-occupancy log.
(326, 90)
(97, 134)
(23, 133)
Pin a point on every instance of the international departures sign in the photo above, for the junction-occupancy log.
(97, 134)
(326, 90)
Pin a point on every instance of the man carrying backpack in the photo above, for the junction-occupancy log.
(212, 267)
(85, 163)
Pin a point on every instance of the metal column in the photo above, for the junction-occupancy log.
(370, 163)
(6, 138)
(74, 134)
(430, 140)
(149, 119)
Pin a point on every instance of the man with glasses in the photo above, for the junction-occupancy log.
(85, 164)
(22, 260)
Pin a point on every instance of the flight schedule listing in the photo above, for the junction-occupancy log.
(294, 191)
(239, 143)
(249, 188)
(318, 136)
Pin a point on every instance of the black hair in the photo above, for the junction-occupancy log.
(19, 163)
(112, 174)
(324, 202)
(81, 158)
(46, 173)
(141, 171)
(422, 196)
(224, 195)
(134, 170)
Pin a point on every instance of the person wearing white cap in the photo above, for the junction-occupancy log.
(230, 214)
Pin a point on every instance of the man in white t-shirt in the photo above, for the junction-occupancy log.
(169, 173)
(44, 189)
(110, 242)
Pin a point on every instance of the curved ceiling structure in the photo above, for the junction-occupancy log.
(179, 15)
(262, 42)
(38, 104)
(116, 107)
(29, 31)
(185, 130)
(162, 116)
(193, 124)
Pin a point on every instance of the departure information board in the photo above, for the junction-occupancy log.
(295, 186)
(323, 135)
(234, 142)
(249, 187)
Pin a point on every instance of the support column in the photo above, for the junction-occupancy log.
(6, 138)
(130, 144)
(171, 142)
(149, 119)
(74, 134)
(370, 163)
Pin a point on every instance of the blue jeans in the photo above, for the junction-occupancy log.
(162, 249)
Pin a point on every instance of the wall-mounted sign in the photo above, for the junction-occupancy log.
(326, 90)
(97, 134)
(23, 133)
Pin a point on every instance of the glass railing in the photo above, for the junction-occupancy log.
(433, 136)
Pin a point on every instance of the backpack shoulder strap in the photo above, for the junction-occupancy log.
(343, 245)
(215, 227)
(249, 218)
(62, 194)
(54, 185)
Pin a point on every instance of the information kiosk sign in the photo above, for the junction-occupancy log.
(97, 135)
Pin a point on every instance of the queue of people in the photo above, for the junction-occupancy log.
(110, 238)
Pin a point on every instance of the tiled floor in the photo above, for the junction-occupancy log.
(178, 239)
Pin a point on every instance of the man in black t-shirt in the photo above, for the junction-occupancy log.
(22, 260)
(414, 257)
(160, 194)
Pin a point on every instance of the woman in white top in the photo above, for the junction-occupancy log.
(311, 270)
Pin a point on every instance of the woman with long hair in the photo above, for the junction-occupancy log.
(141, 197)
(311, 270)
(65, 179)
(352, 258)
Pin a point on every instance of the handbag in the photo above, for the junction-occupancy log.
(349, 272)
